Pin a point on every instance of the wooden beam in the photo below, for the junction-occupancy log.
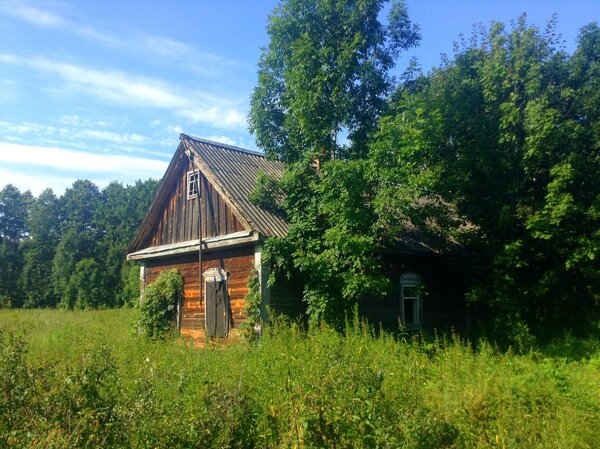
(213, 243)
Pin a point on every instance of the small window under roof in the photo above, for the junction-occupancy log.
(192, 184)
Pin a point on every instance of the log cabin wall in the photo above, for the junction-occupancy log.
(444, 285)
(179, 219)
(237, 262)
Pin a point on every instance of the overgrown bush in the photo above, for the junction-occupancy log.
(44, 405)
(130, 281)
(157, 311)
(253, 300)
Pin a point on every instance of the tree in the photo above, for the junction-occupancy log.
(14, 210)
(85, 288)
(117, 219)
(506, 134)
(44, 234)
(325, 77)
(324, 74)
(79, 233)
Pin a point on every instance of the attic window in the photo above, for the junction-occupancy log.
(192, 184)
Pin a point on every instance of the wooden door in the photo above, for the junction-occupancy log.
(216, 303)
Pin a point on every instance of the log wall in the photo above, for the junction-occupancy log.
(179, 219)
(237, 262)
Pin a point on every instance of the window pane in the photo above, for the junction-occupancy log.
(410, 291)
(192, 190)
(409, 317)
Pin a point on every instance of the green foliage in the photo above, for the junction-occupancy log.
(85, 288)
(14, 207)
(505, 135)
(267, 194)
(48, 406)
(60, 387)
(157, 311)
(130, 279)
(325, 73)
(39, 250)
(253, 306)
(331, 241)
(324, 81)
(43, 241)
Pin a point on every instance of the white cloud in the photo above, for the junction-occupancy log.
(123, 88)
(27, 180)
(222, 139)
(31, 14)
(174, 129)
(78, 134)
(76, 120)
(109, 166)
(115, 137)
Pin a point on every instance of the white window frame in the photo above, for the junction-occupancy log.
(414, 281)
(192, 184)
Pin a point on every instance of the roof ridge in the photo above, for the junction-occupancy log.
(219, 144)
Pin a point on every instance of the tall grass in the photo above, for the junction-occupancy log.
(84, 379)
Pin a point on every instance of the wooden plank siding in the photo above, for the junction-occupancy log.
(179, 219)
(237, 262)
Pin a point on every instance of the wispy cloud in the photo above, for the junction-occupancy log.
(76, 120)
(80, 134)
(174, 129)
(31, 14)
(123, 88)
(25, 180)
(108, 165)
(133, 41)
(37, 167)
(222, 139)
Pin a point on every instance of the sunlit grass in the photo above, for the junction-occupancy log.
(295, 389)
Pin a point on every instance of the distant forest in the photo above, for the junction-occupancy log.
(69, 251)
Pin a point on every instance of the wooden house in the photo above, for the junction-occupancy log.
(204, 192)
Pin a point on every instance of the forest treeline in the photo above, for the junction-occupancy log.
(69, 251)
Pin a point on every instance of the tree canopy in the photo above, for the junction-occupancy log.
(323, 84)
(70, 251)
(507, 132)
(326, 75)
(496, 149)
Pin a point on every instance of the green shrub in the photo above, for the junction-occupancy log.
(157, 311)
(130, 279)
(253, 300)
(85, 288)
(44, 405)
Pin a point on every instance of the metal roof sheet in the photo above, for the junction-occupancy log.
(236, 170)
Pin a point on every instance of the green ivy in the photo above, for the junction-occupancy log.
(253, 299)
(157, 311)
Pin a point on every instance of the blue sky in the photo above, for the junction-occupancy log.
(101, 89)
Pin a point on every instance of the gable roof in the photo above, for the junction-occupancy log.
(232, 171)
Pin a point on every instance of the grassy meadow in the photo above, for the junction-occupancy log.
(83, 379)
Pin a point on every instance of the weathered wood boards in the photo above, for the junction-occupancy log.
(179, 219)
(238, 263)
